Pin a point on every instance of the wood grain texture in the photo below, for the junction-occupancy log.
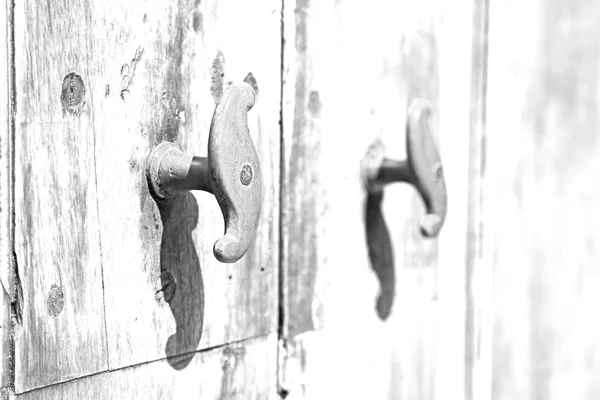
(350, 72)
(6, 198)
(57, 241)
(541, 200)
(244, 371)
(111, 279)
(6, 143)
(165, 292)
(479, 280)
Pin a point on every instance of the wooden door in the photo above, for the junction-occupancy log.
(108, 295)
(377, 312)
(113, 296)
(537, 278)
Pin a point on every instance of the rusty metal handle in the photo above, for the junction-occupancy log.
(231, 172)
(422, 167)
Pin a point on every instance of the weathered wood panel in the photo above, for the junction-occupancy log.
(57, 241)
(244, 371)
(541, 200)
(165, 292)
(6, 142)
(6, 196)
(109, 279)
(395, 328)
(479, 280)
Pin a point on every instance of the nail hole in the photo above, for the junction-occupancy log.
(198, 22)
(56, 301)
(73, 94)
(314, 104)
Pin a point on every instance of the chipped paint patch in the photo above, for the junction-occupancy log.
(217, 76)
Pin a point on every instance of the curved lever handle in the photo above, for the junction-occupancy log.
(231, 172)
(421, 168)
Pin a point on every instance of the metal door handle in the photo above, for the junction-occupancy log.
(231, 172)
(422, 167)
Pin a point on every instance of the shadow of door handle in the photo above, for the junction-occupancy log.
(422, 167)
(231, 172)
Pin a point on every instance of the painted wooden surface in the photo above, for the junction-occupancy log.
(188, 54)
(541, 198)
(390, 326)
(57, 240)
(6, 197)
(244, 370)
(109, 278)
(479, 279)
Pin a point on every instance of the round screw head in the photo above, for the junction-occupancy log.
(246, 175)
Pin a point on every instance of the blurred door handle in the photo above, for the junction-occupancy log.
(422, 167)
